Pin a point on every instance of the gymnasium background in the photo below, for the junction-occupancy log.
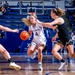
(15, 10)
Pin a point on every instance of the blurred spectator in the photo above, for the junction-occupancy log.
(0, 3)
(74, 16)
(74, 3)
(8, 9)
(2, 34)
(3, 9)
(73, 36)
(20, 3)
(46, 12)
(1, 13)
(6, 5)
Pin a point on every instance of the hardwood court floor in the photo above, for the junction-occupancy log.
(30, 67)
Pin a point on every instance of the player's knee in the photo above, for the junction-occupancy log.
(53, 51)
(29, 52)
(3, 51)
(72, 55)
(39, 51)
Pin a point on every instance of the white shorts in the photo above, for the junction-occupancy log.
(36, 42)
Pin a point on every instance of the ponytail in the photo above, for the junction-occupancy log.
(58, 11)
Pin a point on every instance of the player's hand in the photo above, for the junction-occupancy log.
(54, 39)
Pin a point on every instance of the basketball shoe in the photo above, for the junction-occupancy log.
(14, 66)
(62, 65)
(40, 67)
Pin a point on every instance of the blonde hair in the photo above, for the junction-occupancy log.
(27, 21)
(58, 11)
(33, 14)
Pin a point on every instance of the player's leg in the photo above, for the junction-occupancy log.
(71, 50)
(31, 49)
(8, 57)
(34, 53)
(40, 55)
(55, 52)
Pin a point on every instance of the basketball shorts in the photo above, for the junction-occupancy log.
(36, 42)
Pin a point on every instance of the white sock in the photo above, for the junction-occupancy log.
(40, 63)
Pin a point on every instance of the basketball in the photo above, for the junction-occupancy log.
(24, 35)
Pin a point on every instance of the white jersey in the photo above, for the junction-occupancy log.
(38, 32)
(38, 35)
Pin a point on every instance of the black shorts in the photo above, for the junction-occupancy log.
(66, 43)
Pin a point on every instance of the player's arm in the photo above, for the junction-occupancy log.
(52, 24)
(8, 29)
(30, 32)
(40, 24)
(55, 37)
(49, 25)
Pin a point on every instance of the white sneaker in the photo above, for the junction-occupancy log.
(40, 67)
(62, 65)
(34, 54)
(14, 66)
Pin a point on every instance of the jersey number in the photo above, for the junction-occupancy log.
(36, 33)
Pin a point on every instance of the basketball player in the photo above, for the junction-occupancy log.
(62, 33)
(5, 52)
(39, 40)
